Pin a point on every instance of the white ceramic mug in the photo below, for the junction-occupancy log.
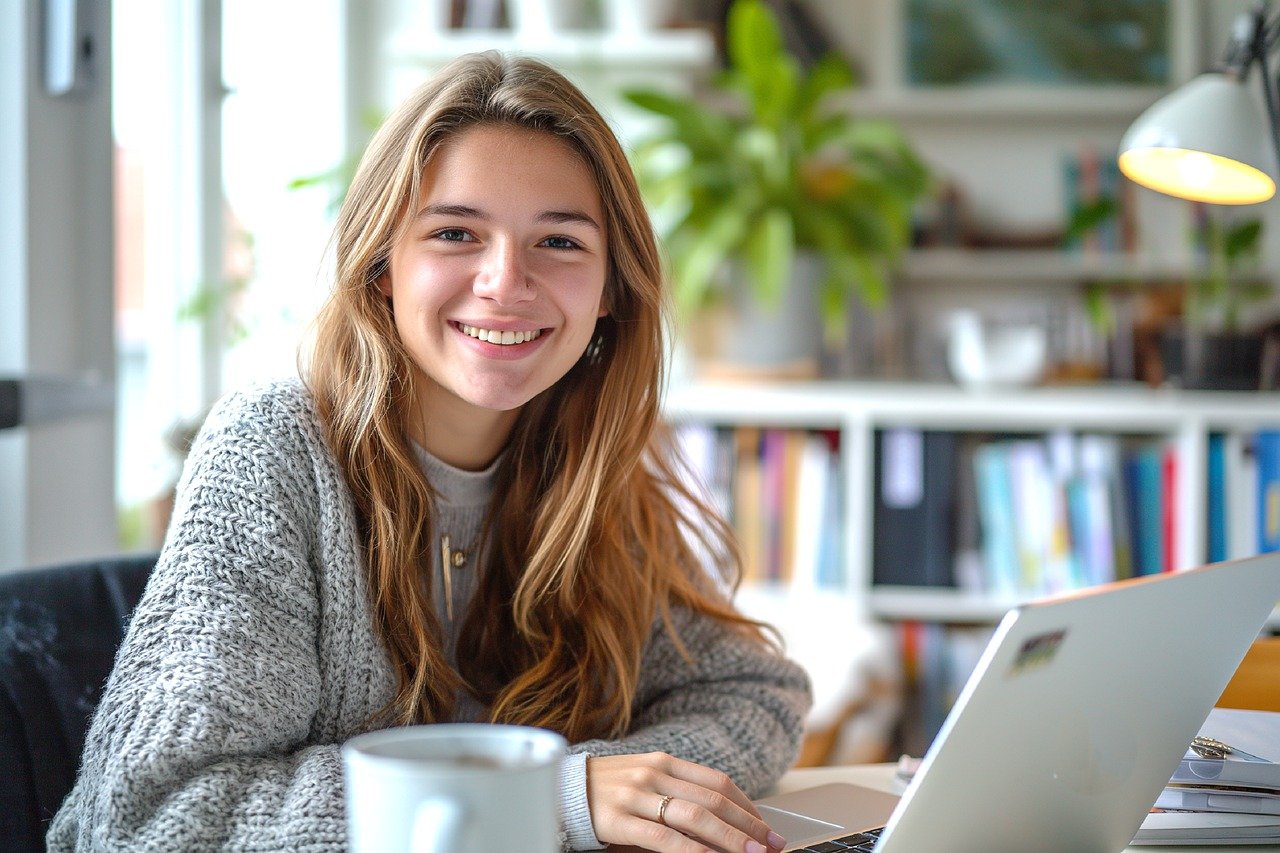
(453, 787)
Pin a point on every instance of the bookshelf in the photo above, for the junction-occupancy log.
(998, 268)
(939, 631)
(856, 410)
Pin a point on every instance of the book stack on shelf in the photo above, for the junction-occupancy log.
(780, 489)
(1016, 517)
(936, 661)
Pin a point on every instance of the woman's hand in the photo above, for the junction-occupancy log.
(657, 802)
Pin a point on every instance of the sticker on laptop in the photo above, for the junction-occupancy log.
(1037, 651)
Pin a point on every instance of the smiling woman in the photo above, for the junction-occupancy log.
(507, 242)
(467, 512)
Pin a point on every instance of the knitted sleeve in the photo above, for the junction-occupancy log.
(204, 737)
(738, 706)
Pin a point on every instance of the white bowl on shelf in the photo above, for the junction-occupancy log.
(986, 356)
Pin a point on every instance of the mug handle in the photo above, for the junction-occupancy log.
(437, 826)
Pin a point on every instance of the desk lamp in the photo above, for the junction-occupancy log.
(1207, 140)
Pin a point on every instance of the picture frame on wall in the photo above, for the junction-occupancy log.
(1068, 56)
(1074, 43)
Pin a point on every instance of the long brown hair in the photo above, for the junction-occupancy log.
(590, 544)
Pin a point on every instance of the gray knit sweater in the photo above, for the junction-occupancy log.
(252, 656)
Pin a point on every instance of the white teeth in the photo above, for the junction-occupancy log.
(495, 337)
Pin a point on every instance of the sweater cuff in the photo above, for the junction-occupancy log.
(575, 812)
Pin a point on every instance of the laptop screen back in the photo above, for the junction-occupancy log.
(1079, 711)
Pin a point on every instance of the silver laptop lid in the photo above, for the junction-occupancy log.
(1079, 711)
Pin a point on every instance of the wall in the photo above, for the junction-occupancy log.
(1008, 160)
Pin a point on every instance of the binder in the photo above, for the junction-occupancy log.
(914, 536)
(1267, 452)
(1216, 505)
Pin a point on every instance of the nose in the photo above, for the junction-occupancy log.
(505, 276)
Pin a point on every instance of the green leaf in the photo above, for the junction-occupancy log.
(752, 40)
(697, 259)
(770, 251)
(701, 132)
(1089, 215)
(827, 75)
(760, 67)
(1242, 239)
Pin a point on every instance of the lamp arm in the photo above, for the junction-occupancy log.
(1264, 42)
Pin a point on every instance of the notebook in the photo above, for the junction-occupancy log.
(1075, 717)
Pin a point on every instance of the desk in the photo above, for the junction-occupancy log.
(880, 777)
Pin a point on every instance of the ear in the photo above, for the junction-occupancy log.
(384, 284)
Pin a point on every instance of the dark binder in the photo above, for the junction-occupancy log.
(914, 542)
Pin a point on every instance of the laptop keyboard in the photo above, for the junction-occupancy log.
(862, 842)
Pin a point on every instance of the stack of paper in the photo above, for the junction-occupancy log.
(1232, 799)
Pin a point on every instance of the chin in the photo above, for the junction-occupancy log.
(499, 400)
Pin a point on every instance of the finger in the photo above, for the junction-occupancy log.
(648, 835)
(721, 807)
(709, 778)
(695, 820)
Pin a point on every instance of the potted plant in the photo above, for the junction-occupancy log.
(767, 200)
(1212, 347)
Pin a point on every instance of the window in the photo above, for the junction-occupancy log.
(218, 107)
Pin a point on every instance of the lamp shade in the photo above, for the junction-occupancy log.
(1205, 141)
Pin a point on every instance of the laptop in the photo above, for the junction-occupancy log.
(1075, 717)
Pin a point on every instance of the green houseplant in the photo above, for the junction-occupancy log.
(1212, 347)
(761, 171)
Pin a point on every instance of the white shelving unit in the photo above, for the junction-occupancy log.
(1017, 267)
(858, 409)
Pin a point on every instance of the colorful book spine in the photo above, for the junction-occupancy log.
(1216, 499)
(995, 511)
(1143, 491)
(1241, 496)
(1267, 452)
(1169, 557)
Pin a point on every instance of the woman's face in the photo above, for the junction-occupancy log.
(498, 281)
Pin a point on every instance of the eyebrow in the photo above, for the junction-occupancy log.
(555, 217)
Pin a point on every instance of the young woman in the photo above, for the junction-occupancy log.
(466, 513)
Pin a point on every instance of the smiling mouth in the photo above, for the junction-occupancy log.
(493, 336)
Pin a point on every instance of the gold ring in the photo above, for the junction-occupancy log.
(662, 809)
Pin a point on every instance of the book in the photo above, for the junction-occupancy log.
(748, 515)
(1194, 827)
(1090, 495)
(1169, 508)
(1032, 521)
(995, 512)
(913, 531)
(810, 515)
(1241, 493)
(831, 549)
(1216, 499)
(1254, 763)
(1144, 489)
(1202, 798)
(1267, 453)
